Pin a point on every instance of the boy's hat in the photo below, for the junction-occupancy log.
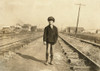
(51, 19)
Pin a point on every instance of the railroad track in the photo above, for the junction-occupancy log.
(79, 61)
(91, 49)
(17, 44)
(12, 38)
(89, 42)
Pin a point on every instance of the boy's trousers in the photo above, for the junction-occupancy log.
(48, 45)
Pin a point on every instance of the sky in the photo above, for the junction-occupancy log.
(36, 12)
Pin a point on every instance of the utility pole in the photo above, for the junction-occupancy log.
(78, 17)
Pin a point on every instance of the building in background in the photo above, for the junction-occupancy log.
(6, 30)
(98, 31)
(90, 31)
(26, 27)
(40, 29)
(73, 29)
(17, 30)
(33, 28)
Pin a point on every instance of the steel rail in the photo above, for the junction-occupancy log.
(86, 41)
(89, 42)
(1, 46)
(80, 52)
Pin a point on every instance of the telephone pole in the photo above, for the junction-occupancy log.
(78, 17)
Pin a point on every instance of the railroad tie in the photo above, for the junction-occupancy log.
(76, 62)
(81, 68)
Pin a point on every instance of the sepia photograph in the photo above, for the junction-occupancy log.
(49, 35)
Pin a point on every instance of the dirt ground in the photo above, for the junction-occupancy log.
(32, 57)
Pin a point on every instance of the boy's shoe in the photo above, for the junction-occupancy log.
(46, 63)
(51, 63)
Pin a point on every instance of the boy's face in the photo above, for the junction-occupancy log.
(51, 22)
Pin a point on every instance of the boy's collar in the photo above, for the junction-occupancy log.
(51, 25)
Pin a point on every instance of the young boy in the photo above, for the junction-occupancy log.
(50, 38)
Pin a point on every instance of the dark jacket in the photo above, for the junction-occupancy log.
(50, 35)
